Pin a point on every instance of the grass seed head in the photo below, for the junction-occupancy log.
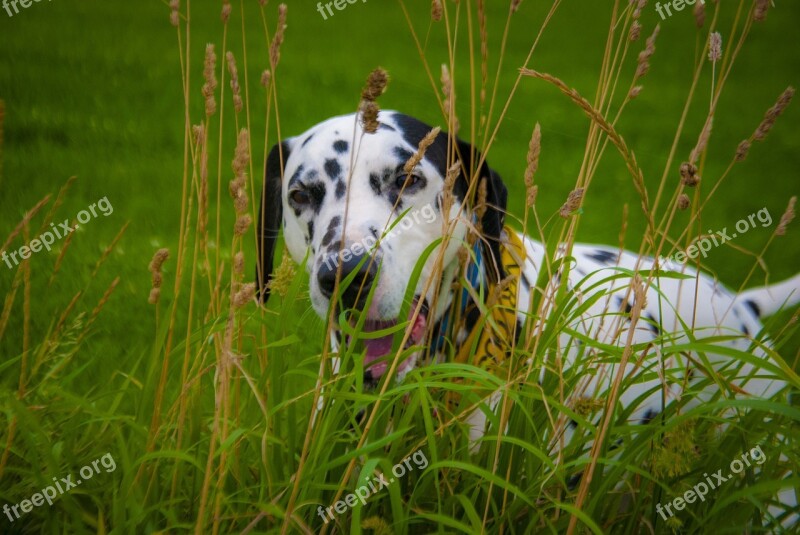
(282, 279)
(760, 12)
(683, 201)
(715, 47)
(210, 85)
(277, 40)
(226, 12)
(574, 200)
(377, 81)
(242, 224)
(742, 150)
(426, 142)
(234, 72)
(700, 14)
(786, 218)
(773, 113)
(436, 10)
(369, 116)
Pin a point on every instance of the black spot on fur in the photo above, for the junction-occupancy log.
(573, 424)
(296, 175)
(317, 193)
(395, 201)
(340, 189)
(604, 257)
(649, 414)
(652, 324)
(310, 230)
(753, 308)
(413, 131)
(306, 140)
(375, 183)
(573, 481)
(333, 227)
(628, 306)
(333, 169)
(403, 154)
(745, 330)
(387, 127)
(340, 146)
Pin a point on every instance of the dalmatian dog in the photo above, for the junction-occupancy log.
(335, 189)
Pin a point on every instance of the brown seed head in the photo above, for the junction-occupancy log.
(244, 295)
(643, 65)
(574, 200)
(635, 92)
(155, 294)
(530, 197)
(449, 99)
(234, 72)
(534, 150)
(636, 31)
(174, 15)
(480, 205)
(158, 260)
(689, 176)
(277, 41)
(241, 158)
(436, 10)
(515, 5)
(210, 85)
(226, 12)
(700, 14)
(242, 224)
(760, 12)
(683, 201)
(786, 218)
(238, 263)
(266, 77)
(426, 142)
(773, 113)
(742, 150)
(369, 116)
(715, 47)
(376, 85)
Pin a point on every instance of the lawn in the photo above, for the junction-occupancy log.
(93, 90)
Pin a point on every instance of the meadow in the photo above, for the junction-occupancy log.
(204, 399)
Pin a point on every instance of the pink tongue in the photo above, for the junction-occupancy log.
(377, 348)
(381, 347)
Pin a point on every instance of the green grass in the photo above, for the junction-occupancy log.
(93, 89)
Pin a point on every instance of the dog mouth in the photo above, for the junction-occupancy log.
(378, 355)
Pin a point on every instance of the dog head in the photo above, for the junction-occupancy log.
(336, 191)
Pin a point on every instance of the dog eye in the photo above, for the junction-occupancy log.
(406, 181)
(300, 197)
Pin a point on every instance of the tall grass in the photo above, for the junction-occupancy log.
(235, 422)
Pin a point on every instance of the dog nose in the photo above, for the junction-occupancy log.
(365, 269)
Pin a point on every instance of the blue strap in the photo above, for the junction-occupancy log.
(474, 277)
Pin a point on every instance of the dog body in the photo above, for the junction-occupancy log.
(343, 188)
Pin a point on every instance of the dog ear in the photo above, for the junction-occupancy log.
(494, 217)
(270, 217)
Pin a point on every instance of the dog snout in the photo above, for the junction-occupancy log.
(365, 267)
